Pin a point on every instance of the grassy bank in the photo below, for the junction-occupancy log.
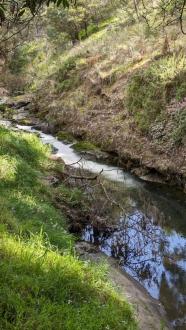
(121, 88)
(42, 284)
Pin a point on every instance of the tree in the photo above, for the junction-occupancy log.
(159, 13)
(14, 9)
(78, 20)
(16, 15)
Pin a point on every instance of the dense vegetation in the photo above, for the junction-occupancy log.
(43, 285)
(151, 89)
(105, 74)
(152, 69)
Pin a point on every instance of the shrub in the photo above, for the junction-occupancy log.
(67, 84)
(145, 98)
(22, 57)
(67, 75)
(64, 71)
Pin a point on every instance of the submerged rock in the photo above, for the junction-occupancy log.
(92, 155)
(147, 175)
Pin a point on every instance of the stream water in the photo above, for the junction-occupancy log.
(150, 240)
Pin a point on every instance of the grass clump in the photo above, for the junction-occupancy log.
(67, 84)
(42, 284)
(3, 107)
(152, 88)
(9, 113)
(85, 146)
(65, 136)
(5, 111)
(179, 132)
(67, 75)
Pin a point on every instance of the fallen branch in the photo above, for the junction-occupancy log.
(79, 177)
(112, 201)
(75, 162)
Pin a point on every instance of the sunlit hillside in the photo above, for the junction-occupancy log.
(119, 84)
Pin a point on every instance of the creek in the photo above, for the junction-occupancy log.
(149, 241)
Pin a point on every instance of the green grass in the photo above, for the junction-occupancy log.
(65, 136)
(3, 107)
(151, 89)
(23, 197)
(43, 285)
(85, 146)
(94, 28)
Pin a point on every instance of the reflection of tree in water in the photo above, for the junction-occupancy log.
(151, 246)
(137, 242)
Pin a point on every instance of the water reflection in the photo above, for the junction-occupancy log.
(152, 255)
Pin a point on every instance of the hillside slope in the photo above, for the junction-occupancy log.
(123, 88)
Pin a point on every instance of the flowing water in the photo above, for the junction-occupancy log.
(150, 240)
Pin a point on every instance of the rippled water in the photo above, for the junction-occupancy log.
(149, 241)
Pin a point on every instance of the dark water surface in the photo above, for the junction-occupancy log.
(149, 241)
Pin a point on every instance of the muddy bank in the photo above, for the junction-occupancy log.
(149, 312)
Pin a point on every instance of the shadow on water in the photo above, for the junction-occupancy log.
(150, 240)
